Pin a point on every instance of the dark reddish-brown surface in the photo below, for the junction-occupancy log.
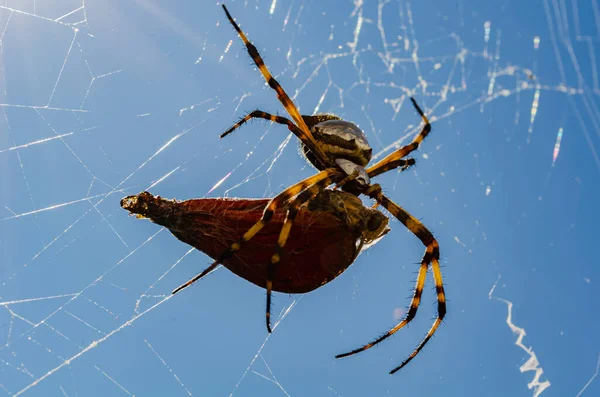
(320, 247)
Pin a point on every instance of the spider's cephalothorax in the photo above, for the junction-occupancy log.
(341, 153)
(345, 146)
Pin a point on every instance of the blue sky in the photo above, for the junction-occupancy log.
(103, 99)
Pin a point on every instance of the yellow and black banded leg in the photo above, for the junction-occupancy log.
(394, 160)
(281, 199)
(259, 114)
(292, 211)
(431, 257)
(305, 134)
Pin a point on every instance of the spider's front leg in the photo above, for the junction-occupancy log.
(431, 257)
(395, 159)
(259, 114)
(302, 130)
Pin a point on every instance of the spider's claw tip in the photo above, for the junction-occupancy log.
(418, 108)
(176, 290)
(226, 11)
(398, 368)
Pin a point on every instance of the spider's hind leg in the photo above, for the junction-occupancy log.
(431, 257)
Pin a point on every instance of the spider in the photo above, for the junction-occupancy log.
(339, 150)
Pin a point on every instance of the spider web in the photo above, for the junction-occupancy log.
(102, 99)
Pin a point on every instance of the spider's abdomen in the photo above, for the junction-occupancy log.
(340, 139)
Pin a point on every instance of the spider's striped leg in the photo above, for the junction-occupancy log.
(432, 256)
(394, 160)
(259, 114)
(292, 211)
(281, 199)
(309, 120)
(306, 136)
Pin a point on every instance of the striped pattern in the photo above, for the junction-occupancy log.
(293, 207)
(431, 257)
(282, 199)
(296, 195)
(305, 135)
(394, 160)
(259, 114)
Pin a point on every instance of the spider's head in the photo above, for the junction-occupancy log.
(345, 145)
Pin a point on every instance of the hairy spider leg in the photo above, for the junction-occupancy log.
(277, 201)
(293, 207)
(403, 164)
(306, 136)
(259, 114)
(432, 256)
(394, 160)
